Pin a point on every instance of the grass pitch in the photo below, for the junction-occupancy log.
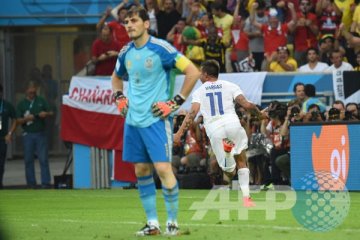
(117, 214)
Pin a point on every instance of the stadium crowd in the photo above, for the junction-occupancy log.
(246, 36)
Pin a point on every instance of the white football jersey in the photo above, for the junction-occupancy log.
(216, 99)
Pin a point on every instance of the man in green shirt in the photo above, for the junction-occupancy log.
(32, 112)
(7, 112)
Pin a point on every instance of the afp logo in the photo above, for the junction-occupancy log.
(330, 151)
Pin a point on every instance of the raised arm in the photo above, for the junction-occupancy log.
(252, 16)
(292, 24)
(188, 121)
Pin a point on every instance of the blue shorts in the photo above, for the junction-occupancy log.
(148, 145)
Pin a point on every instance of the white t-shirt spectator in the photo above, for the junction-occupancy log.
(344, 67)
(320, 67)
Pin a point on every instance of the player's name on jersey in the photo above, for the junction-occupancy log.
(211, 87)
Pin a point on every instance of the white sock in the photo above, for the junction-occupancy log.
(243, 176)
(153, 223)
(229, 160)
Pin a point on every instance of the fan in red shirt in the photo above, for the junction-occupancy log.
(104, 52)
(306, 31)
(275, 33)
(119, 33)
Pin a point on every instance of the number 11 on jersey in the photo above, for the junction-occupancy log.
(211, 96)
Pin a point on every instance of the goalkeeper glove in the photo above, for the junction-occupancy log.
(121, 102)
(163, 109)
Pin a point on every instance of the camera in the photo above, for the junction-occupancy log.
(294, 111)
(334, 114)
(278, 111)
(314, 115)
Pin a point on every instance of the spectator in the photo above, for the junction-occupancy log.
(224, 21)
(32, 112)
(352, 111)
(282, 62)
(205, 23)
(275, 33)
(152, 9)
(338, 63)
(240, 44)
(310, 98)
(306, 31)
(166, 18)
(104, 52)
(197, 10)
(327, 44)
(119, 33)
(175, 36)
(313, 64)
(191, 37)
(7, 112)
(353, 39)
(339, 105)
(347, 9)
(299, 91)
(256, 39)
(213, 47)
(314, 114)
(329, 16)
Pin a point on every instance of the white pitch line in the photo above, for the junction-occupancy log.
(252, 226)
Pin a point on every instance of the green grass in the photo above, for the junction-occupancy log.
(117, 214)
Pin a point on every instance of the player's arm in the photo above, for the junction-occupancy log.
(250, 106)
(189, 119)
(120, 99)
(192, 74)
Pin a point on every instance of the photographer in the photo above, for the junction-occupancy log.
(178, 148)
(277, 113)
(352, 112)
(193, 155)
(314, 114)
(333, 115)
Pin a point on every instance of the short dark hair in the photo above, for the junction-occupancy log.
(312, 49)
(349, 104)
(298, 84)
(140, 11)
(211, 67)
(120, 9)
(314, 105)
(310, 90)
(339, 102)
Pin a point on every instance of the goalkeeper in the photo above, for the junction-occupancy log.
(147, 131)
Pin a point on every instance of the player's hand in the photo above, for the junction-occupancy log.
(121, 102)
(163, 109)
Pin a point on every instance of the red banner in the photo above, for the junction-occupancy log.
(89, 117)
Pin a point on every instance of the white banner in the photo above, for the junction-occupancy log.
(338, 84)
(91, 94)
(346, 86)
(250, 83)
(94, 94)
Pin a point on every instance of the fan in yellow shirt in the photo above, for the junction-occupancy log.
(282, 62)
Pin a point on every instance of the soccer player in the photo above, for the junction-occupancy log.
(215, 100)
(147, 131)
